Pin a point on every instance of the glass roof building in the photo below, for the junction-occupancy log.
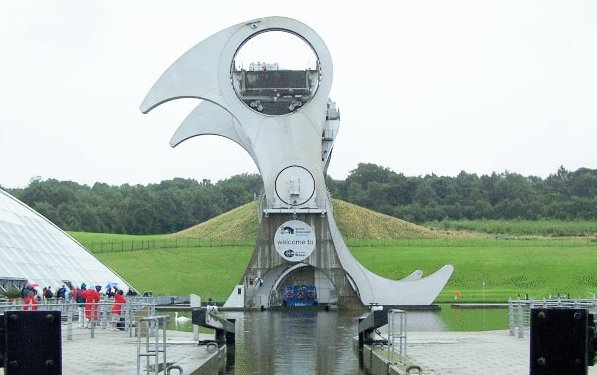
(34, 250)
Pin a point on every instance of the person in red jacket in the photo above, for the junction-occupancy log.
(92, 298)
(30, 302)
(119, 299)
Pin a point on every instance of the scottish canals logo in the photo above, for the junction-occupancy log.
(294, 240)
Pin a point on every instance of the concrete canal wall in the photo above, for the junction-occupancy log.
(374, 361)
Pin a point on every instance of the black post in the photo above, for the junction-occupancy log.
(225, 328)
(24, 331)
(562, 341)
(369, 323)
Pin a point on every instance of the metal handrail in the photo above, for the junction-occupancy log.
(519, 311)
(397, 332)
(70, 311)
(153, 325)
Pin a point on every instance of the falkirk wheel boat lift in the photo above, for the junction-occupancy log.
(286, 121)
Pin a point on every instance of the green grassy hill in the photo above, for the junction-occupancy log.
(355, 222)
(240, 224)
(210, 258)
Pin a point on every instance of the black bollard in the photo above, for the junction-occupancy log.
(562, 341)
(24, 330)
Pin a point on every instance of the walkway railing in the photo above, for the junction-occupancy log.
(73, 315)
(519, 311)
(265, 205)
(397, 330)
(154, 327)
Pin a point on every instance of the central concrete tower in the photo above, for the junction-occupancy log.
(286, 121)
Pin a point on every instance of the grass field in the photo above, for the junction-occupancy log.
(517, 258)
(211, 272)
(486, 269)
(545, 228)
(168, 265)
(489, 270)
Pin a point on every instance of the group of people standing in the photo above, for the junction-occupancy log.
(48, 293)
(87, 301)
(88, 304)
(29, 295)
(31, 298)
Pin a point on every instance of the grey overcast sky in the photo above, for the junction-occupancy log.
(431, 86)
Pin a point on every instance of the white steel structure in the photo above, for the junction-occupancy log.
(285, 120)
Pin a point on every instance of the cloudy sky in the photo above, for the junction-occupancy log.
(432, 86)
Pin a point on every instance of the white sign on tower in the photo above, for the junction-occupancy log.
(294, 240)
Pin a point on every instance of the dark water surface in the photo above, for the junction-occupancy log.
(312, 342)
(295, 342)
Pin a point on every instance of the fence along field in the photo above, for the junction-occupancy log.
(141, 243)
(486, 269)
(519, 257)
(546, 228)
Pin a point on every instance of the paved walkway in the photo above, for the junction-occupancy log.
(445, 353)
(471, 353)
(114, 352)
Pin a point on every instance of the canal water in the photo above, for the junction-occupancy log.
(305, 341)
(294, 342)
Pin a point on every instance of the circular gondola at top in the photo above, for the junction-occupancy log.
(275, 72)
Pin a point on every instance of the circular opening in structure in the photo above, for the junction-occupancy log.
(295, 185)
(275, 72)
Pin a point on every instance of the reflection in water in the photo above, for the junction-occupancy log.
(306, 341)
(295, 342)
(425, 321)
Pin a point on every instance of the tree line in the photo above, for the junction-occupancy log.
(177, 204)
(564, 195)
(167, 207)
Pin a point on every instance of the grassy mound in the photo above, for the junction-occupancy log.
(239, 224)
(354, 222)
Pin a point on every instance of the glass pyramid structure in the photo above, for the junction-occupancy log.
(34, 250)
